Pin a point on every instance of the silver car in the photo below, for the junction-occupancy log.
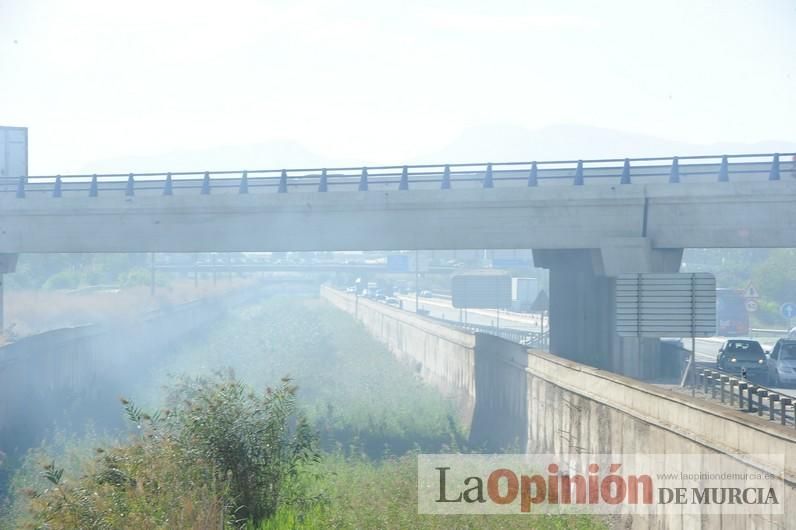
(742, 356)
(782, 363)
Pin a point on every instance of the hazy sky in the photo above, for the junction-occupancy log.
(381, 81)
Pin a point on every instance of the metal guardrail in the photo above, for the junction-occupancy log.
(718, 168)
(751, 397)
(769, 333)
(532, 339)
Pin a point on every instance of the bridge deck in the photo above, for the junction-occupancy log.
(701, 169)
(693, 203)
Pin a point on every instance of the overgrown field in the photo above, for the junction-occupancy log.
(356, 394)
(332, 446)
(30, 311)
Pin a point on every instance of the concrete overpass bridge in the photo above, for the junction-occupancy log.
(586, 220)
(706, 201)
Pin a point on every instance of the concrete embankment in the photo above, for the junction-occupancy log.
(545, 404)
(66, 377)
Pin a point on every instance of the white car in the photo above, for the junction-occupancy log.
(792, 333)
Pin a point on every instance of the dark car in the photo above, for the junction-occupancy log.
(739, 355)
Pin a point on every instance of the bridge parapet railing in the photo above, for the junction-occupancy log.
(749, 396)
(532, 339)
(622, 171)
(769, 333)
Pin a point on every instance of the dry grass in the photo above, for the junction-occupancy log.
(33, 311)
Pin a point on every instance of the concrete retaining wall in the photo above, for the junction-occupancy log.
(545, 404)
(66, 377)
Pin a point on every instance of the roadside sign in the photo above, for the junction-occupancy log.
(666, 305)
(485, 289)
(752, 306)
(398, 263)
(788, 310)
(751, 292)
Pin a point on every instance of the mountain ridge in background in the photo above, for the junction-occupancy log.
(275, 154)
(492, 143)
(505, 143)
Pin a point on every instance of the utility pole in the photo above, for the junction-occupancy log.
(215, 272)
(2, 304)
(417, 281)
(151, 274)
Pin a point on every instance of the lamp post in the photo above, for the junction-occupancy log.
(417, 281)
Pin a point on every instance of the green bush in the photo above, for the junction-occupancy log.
(260, 442)
(222, 456)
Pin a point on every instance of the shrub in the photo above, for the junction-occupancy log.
(221, 456)
(260, 442)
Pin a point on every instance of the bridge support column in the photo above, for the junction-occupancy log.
(581, 316)
(8, 263)
(582, 305)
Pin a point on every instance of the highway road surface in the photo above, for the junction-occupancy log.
(706, 349)
(442, 308)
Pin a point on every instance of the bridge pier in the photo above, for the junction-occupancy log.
(582, 305)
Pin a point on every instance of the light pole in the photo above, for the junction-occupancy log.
(356, 297)
(417, 281)
(151, 274)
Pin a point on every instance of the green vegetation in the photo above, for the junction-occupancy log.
(771, 271)
(70, 271)
(355, 393)
(366, 494)
(221, 455)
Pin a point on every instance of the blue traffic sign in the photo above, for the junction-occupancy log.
(788, 310)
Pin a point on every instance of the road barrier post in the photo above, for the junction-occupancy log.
(733, 383)
(761, 393)
(784, 402)
(724, 379)
(772, 399)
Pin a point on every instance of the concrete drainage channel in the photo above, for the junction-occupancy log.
(70, 376)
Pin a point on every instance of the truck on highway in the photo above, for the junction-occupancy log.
(523, 293)
(371, 290)
(732, 318)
